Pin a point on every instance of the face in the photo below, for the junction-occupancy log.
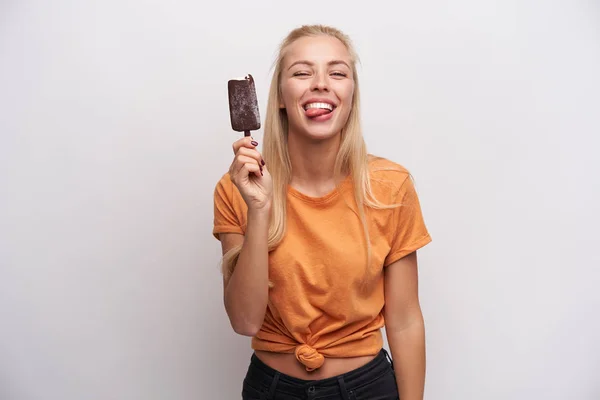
(317, 86)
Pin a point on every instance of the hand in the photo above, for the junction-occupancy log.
(249, 174)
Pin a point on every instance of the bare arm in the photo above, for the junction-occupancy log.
(246, 291)
(405, 328)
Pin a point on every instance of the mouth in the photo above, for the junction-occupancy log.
(314, 109)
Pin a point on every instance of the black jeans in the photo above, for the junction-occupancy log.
(373, 381)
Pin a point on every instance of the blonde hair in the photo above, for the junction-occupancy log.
(352, 158)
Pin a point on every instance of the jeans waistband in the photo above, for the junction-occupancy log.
(277, 381)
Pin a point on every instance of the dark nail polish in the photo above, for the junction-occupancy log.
(254, 143)
(262, 162)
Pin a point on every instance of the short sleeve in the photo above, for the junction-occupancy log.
(228, 212)
(408, 230)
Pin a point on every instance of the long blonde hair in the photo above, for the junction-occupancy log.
(352, 157)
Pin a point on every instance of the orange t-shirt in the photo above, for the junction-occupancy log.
(325, 301)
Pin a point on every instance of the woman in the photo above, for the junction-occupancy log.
(317, 237)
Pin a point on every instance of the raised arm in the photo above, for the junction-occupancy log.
(246, 289)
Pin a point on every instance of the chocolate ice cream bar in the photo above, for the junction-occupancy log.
(243, 105)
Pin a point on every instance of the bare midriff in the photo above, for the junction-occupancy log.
(288, 364)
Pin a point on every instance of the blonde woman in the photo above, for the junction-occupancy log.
(317, 237)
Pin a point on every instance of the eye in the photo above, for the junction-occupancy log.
(339, 74)
(300, 73)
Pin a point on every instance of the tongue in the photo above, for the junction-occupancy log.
(316, 112)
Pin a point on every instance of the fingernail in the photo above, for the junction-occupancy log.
(254, 143)
(262, 161)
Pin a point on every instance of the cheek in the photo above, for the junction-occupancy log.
(349, 93)
(287, 97)
(291, 92)
(345, 92)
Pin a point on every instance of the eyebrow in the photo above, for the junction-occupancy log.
(332, 62)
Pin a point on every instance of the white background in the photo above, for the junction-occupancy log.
(115, 128)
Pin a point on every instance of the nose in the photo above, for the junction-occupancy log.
(320, 82)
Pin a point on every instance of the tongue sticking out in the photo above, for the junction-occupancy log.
(316, 112)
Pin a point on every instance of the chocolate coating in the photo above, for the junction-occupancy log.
(243, 104)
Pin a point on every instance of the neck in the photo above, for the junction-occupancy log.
(313, 163)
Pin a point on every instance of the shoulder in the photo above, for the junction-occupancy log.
(229, 210)
(388, 176)
(381, 165)
(225, 183)
(226, 190)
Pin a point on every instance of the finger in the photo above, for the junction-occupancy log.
(240, 163)
(246, 142)
(251, 153)
(241, 160)
(251, 168)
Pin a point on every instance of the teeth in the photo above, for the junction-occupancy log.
(319, 105)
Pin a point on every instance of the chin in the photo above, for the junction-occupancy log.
(319, 133)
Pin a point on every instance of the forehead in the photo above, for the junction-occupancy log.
(317, 49)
